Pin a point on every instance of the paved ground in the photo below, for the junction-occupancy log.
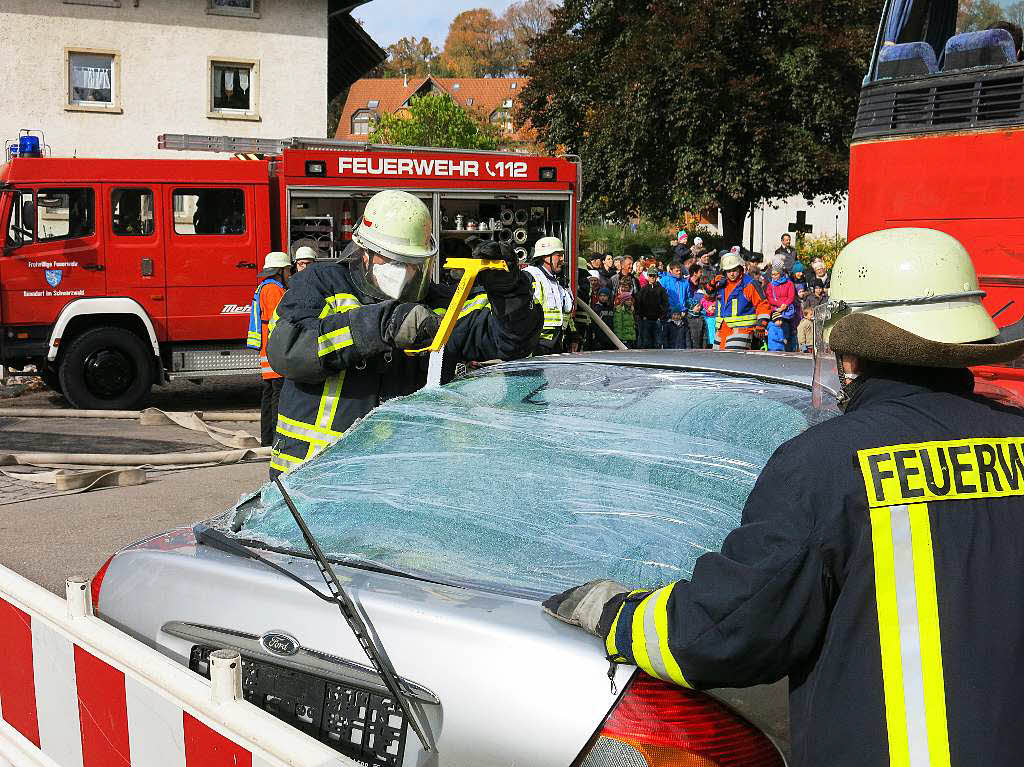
(47, 539)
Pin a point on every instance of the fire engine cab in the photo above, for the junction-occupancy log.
(120, 273)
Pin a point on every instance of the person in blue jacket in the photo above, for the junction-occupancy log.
(680, 297)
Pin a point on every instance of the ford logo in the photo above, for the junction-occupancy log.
(279, 643)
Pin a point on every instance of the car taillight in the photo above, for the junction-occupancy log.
(97, 582)
(655, 724)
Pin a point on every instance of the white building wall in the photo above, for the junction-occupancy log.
(770, 223)
(164, 47)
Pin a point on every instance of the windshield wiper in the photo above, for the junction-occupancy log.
(217, 540)
(359, 622)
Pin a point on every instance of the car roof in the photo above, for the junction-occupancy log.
(791, 368)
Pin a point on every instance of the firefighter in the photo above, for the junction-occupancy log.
(277, 268)
(878, 560)
(341, 330)
(304, 256)
(743, 310)
(556, 301)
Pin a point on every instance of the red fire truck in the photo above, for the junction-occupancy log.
(938, 143)
(118, 274)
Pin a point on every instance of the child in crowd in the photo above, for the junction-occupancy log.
(805, 332)
(624, 319)
(606, 312)
(799, 279)
(709, 308)
(777, 333)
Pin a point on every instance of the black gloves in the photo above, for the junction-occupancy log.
(410, 326)
(495, 280)
(592, 606)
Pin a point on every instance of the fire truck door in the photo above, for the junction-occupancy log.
(52, 252)
(212, 261)
(134, 234)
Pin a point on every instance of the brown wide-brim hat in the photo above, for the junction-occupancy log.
(868, 337)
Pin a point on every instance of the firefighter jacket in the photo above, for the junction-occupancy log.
(555, 300)
(878, 565)
(327, 341)
(264, 303)
(742, 305)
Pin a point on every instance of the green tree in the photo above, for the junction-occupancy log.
(434, 119)
(686, 104)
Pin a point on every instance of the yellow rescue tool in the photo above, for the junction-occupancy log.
(470, 267)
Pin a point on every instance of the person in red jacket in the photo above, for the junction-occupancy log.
(277, 268)
(743, 310)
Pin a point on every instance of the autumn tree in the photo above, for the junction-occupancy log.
(973, 15)
(412, 57)
(473, 47)
(434, 119)
(480, 44)
(685, 104)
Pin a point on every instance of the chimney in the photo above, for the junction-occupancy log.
(405, 84)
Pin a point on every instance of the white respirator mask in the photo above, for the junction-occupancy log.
(391, 278)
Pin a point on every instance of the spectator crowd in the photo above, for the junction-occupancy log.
(672, 302)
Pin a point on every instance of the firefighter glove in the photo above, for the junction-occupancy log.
(495, 280)
(411, 326)
(715, 284)
(592, 606)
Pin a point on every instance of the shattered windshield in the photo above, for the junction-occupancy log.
(529, 480)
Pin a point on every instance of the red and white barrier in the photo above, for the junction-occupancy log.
(76, 692)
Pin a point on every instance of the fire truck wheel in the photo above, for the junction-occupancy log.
(107, 369)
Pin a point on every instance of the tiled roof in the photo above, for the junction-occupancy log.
(481, 94)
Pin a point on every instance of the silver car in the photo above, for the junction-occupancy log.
(448, 516)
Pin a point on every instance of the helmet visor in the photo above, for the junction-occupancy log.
(826, 384)
(389, 277)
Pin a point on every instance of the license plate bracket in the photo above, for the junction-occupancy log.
(357, 722)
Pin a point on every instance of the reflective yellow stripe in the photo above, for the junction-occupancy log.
(609, 641)
(908, 621)
(336, 339)
(889, 637)
(338, 304)
(300, 425)
(329, 400)
(273, 322)
(639, 638)
(480, 302)
(931, 646)
(301, 436)
(289, 461)
(675, 674)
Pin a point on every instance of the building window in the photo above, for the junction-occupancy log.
(64, 214)
(131, 212)
(362, 122)
(93, 80)
(249, 8)
(214, 211)
(234, 90)
(469, 101)
(373, 103)
(501, 118)
(23, 218)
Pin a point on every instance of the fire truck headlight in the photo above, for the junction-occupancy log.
(316, 168)
(548, 174)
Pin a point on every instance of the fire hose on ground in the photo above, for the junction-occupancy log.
(124, 470)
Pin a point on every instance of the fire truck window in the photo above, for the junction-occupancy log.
(209, 211)
(131, 212)
(64, 214)
(23, 217)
